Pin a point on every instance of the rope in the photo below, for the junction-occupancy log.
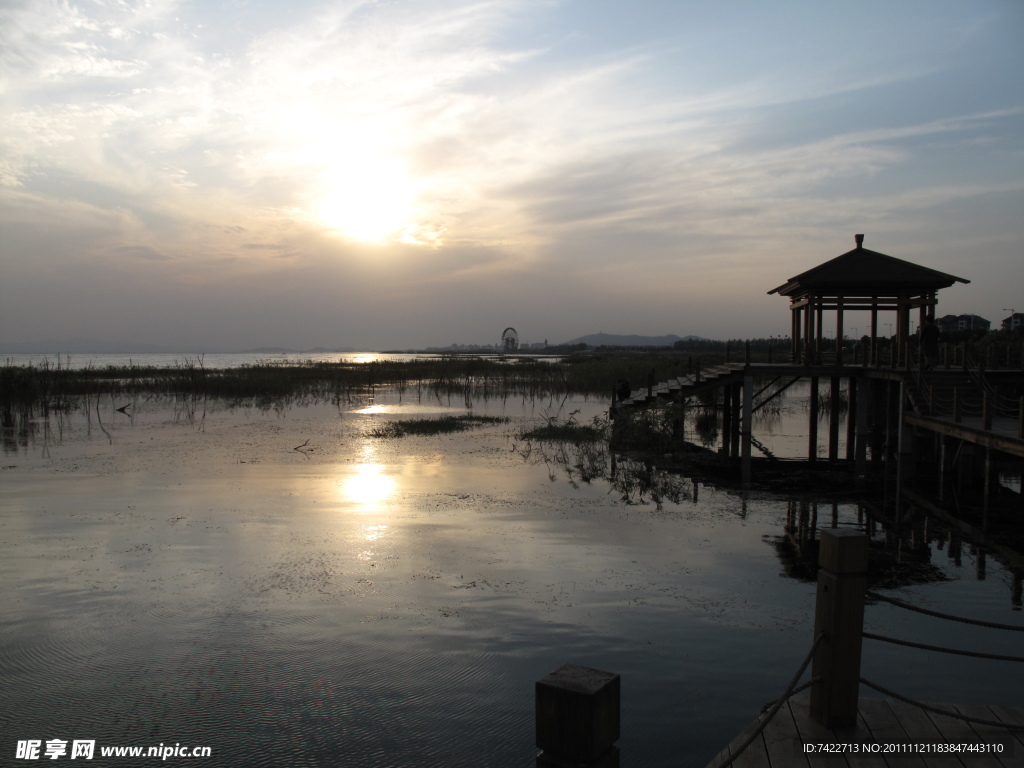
(922, 646)
(909, 607)
(948, 713)
(777, 705)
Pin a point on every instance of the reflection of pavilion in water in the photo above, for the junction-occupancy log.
(903, 551)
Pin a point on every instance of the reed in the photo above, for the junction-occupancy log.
(444, 425)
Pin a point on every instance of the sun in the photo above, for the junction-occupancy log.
(368, 197)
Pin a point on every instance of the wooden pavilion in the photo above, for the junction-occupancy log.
(860, 279)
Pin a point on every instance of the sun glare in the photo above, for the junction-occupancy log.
(368, 198)
(368, 486)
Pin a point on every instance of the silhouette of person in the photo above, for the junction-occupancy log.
(622, 390)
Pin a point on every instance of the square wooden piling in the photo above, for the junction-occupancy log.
(577, 710)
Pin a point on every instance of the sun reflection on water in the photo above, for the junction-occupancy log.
(368, 486)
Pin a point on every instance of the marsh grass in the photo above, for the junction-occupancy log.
(582, 453)
(444, 425)
(569, 431)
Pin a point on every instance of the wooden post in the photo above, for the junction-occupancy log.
(956, 405)
(748, 410)
(727, 418)
(812, 422)
(839, 331)
(746, 353)
(737, 422)
(833, 419)
(819, 336)
(851, 418)
(866, 417)
(839, 615)
(577, 718)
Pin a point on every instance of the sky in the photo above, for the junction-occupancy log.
(409, 173)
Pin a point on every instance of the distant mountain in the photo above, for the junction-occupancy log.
(268, 351)
(615, 340)
(101, 347)
(86, 346)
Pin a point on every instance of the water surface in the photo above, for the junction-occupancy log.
(280, 587)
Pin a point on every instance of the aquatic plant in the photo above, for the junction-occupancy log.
(444, 425)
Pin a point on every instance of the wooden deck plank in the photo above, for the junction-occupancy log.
(779, 737)
(1016, 717)
(954, 730)
(861, 760)
(919, 727)
(985, 734)
(885, 727)
(812, 732)
(753, 756)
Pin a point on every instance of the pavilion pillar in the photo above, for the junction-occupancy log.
(795, 334)
(812, 422)
(902, 325)
(866, 419)
(879, 418)
(735, 436)
(851, 416)
(874, 330)
(748, 421)
(839, 331)
(808, 329)
(818, 346)
(833, 419)
(726, 419)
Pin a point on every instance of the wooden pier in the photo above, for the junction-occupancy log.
(882, 722)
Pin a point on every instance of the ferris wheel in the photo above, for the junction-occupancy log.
(509, 340)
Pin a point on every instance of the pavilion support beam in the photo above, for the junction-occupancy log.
(874, 332)
(865, 419)
(818, 346)
(726, 419)
(735, 435)
(795, 335)
(748, 423)
(879, 419)
(812, 422)
(808, 333)
(851, 417)
(839, 332)
(833, 419)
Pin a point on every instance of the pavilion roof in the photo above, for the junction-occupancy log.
(865, 272)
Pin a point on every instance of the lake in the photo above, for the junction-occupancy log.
(281, 587)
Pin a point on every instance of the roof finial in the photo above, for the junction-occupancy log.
(860, 240)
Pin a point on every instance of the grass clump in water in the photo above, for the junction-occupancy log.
(441, 426)
(568, 431)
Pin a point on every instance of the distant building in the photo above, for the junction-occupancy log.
(972, 323)
(1014, 322)
(958, 323)
(948, 324)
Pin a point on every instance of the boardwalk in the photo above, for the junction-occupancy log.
(1002, 435)
(880, 721)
